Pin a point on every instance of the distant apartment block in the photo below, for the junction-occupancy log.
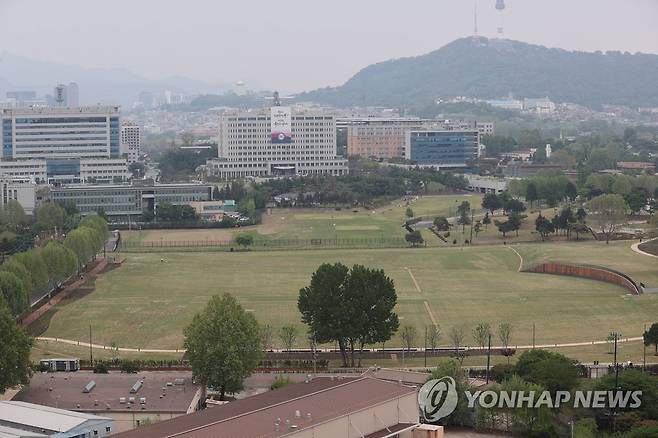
(385, 138)
(248, 145)
(129, 200)
(539, 106)
(508, 104)
(443, 149)
(130, 141)
(62, 144)
(378, 137)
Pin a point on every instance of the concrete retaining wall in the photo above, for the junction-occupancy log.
(591, 272)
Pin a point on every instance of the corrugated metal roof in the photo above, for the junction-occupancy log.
(10, 432)
(43, 417)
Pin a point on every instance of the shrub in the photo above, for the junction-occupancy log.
(100, 368)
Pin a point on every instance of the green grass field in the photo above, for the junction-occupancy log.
(146, 303)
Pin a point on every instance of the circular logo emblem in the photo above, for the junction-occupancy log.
(437, 399)
(282, 136)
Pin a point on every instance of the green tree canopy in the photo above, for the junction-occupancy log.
(351, 307)
(608, 212)
(15, 348)
(50, 216)
(223, 344)
(14, 294)
(36, 265)
(553, 371)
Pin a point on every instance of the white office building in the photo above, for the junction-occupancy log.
(67, 144)
(22, 191)
(278, 141)
(130, 141)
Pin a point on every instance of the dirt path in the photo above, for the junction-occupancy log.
(636, 247)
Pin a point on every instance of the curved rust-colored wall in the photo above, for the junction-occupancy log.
(591, 272)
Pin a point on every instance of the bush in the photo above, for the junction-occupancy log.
(100, 368)
(500, 372)
(280, 382)
(129, 366)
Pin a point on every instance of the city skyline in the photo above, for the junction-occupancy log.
(204, 41)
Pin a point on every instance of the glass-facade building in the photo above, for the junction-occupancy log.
(64, 138)
(442, 148)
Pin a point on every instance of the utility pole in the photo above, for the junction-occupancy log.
(533, 335)
(488, 358)
(425, 349)
(472, 217)
(91, 354)
(644, 352)
(617, 335)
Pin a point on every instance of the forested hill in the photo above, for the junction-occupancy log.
(493, 68)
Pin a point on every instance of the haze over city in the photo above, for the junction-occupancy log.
(297, 45)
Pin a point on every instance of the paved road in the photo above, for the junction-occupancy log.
(181, 350)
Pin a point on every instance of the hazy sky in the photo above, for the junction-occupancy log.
(300, 44)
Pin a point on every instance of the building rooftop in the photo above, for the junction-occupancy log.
(320, 400)
(10, 432)
(41, 417)
(47, 110)
(64, 390)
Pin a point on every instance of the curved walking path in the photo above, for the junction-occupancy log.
(520, 258)
(636, 247)
(182, 350)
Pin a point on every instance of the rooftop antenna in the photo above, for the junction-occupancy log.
(500, 6)
(276, 98)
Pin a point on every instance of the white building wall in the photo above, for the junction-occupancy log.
(245, 147)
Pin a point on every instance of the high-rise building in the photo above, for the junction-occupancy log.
(60, 96)
(130, 141)
(442, 149)
(73, 95)
(276, 141)
(64, 140)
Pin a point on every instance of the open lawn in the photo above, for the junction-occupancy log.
(327, 223)
(146, 302)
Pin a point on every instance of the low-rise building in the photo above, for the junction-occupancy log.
(127, 400)
(27, 420)
(20, 190)
(213, 210)
(486, 184)
(320, 408)
(129, 200)
(66, 171)
(635, 165)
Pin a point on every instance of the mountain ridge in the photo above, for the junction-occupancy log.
(492, 68)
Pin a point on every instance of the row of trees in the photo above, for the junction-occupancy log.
(37, 270)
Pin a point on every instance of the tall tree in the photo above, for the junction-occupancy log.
(651, 337)
(441, 223)
(13, 291)
(464, 214)
(350, 307)
(288, 336)
(35, 264)
(13, 215)
(223, 344)
(15, 348)
(608, 212)
(543, 226)
(50, 216)
(491, 202)
(531, 193)
(408, 335)
(481, 334)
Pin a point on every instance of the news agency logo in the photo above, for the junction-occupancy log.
(437, 399)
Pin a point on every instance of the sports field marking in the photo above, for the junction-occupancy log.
(425, 303)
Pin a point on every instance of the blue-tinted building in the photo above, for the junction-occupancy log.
(64, 141)
(442, 148)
